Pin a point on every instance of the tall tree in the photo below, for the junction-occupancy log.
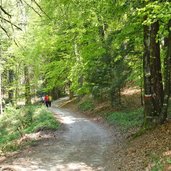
(156, 95)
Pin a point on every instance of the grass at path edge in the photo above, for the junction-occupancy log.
(15, 123)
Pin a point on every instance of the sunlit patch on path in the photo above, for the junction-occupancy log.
(81, 147)
(59, 167)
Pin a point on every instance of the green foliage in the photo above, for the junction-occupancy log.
(158, 163)
(43, 120)
(154, 11)
(157, 167)
(100, 93)
(86, 105)
(10, 147)
(16, 122)
(96, 46)
(126, 119)
(76, 40)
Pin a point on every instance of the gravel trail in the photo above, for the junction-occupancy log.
(84, 145)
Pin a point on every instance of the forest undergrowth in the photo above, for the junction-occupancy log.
(23, 126)
(148, 150)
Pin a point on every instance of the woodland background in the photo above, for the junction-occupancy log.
(88, 47)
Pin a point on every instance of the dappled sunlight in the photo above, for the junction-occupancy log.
(68, 119)
(65, 117)
(80, 146)
(71, 120)
(30, 166)
(34, 137)
(131, 91)
(74, 167)
(167, 153)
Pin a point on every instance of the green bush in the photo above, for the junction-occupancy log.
(14, 123)
(10, 147)
(160, 162)
(86, 105)
(126, 119)
(26, 114)
(43, 120)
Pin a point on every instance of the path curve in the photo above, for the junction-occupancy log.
(83, 146)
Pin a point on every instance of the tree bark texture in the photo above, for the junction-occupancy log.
(1, 108)
(155, 66)
(148, 101)
(167, 74)
(156, 98)
(27, 86)
(10, 82)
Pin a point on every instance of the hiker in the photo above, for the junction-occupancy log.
(46, 100)
(50, 101)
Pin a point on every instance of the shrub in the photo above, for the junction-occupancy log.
(14, 123)
(126, 119)
(86, 105)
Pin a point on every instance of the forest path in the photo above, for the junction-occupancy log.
(84, 145)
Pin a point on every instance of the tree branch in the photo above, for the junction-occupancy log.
(41, 9)
(30, 7)
(5, 12)
(16, 43)
(4, 31)
(10, 23)
(8, 35)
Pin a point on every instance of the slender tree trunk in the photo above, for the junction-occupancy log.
(141, 89)
(71, 93)
(148, 99)
(167, 75)
(1, 108)
(115, 94)
(27, 86)
(119, 96)
(112, 96)
(16, 84)
(169, 51)
(81, 76)
(1, 69)
(155, 66)
(10, 82)
(56, 93)
(153, 86)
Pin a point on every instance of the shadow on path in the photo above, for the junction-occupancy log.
(83, 146)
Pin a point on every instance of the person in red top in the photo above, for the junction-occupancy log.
(47, 101)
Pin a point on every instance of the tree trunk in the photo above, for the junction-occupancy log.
(153, 87)
(155, 66)
(148, 104)
(56, 93)
(112, 97)
(16, 84)
(10, 82)
(115, 96)
(167, 75)
(1, 70)
(1, 108)
(27, 86)
(71, 93)
(141, 96)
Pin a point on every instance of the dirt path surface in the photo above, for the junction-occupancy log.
(84, 145)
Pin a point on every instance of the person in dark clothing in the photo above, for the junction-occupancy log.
(47, 101)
